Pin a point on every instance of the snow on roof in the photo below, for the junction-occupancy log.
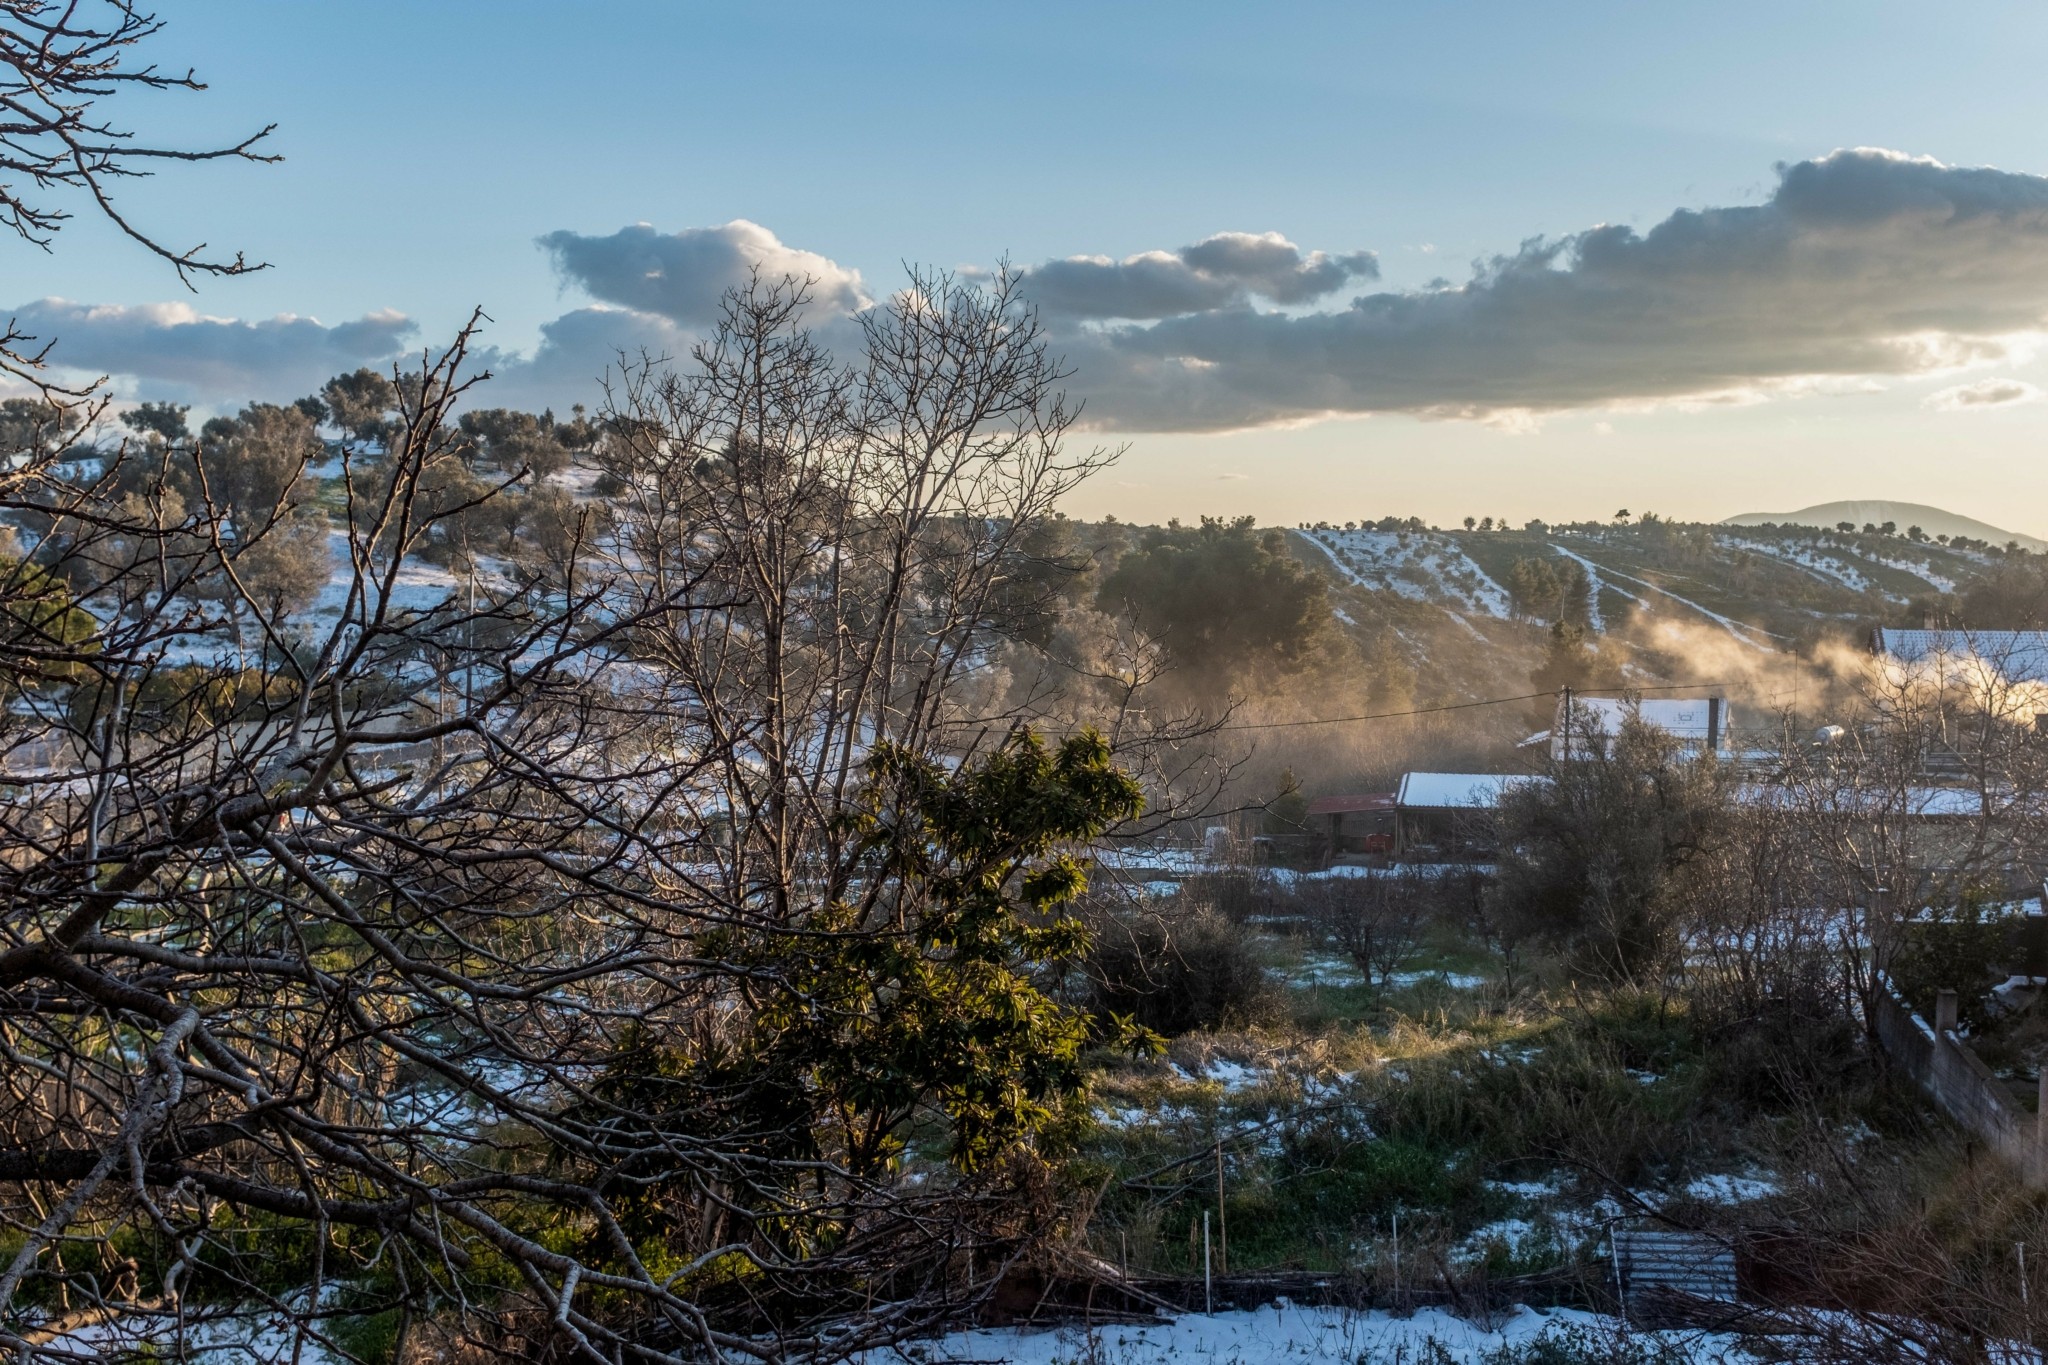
(1682, 717)
(1925, 803)
(2016, 655)
(1456, 791)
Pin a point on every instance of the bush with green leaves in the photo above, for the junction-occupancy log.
(864, 1037)
(1956, 948)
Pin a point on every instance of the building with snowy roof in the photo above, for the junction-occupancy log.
(1448, 817)
(2016, 656)
(1586, 726)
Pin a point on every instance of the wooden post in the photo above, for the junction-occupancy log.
(2041, 1125)
(1945, 1012)
(1397, 1251)
(1222, 1220)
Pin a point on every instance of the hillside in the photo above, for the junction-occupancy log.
(1933, 520)
(1662, 602)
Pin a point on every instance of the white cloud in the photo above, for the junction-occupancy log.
(169, 350)
(684, 276)
(575, 353)
(1985, 393)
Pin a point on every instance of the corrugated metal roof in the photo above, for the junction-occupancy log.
(1661, 1258)
(1456, 791)
(2015, 655)
(1349, 805)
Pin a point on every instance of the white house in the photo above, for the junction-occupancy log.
(1699, 724)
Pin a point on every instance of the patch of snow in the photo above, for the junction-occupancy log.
(1125, 1116)
(1420, 566)
(1327, 971)
(1287, 1334)
(1732, 1189)
(1594, 584)
(257, 1335)
(1135, 858)
(1516, 1236)
(1457, 981)
(1234, 1077)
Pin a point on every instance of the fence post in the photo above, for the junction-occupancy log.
(2040, 1171)
(1945, 1012)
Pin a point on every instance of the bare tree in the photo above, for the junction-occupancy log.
(1374, 921)
(1933, 788)
(637, 964)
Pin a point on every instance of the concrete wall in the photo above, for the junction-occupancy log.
(1960, 1084)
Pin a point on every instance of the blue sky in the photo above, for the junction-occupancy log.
(430, 144)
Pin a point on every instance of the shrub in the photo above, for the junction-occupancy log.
(1175, 974)
(1236, 893)
(1374, 921)
(1956, 950)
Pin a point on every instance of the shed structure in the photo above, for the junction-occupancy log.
(1448, 817)
(1356, 826)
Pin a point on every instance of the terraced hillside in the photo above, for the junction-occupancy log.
(1758, 583)
(1456, 604)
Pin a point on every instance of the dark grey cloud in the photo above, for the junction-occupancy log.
(168, 350)
(684, 275)
(1861, 263)
(1223, 271)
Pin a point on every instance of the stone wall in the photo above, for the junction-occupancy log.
(1959, 1082)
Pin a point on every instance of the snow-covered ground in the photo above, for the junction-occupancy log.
(1816, 560)
(256, 1335)
(1596, 584)
(1753, 636)
(1842, 567)
(1413, 564)
(1285, 1334)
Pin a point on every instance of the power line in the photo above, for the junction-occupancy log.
(1436, 710)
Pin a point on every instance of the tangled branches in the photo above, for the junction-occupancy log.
(633, 960)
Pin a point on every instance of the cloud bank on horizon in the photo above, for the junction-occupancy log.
(1862, 263)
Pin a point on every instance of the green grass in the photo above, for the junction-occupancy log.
(1372, 1101)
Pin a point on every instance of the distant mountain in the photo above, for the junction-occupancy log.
(1932, 520)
